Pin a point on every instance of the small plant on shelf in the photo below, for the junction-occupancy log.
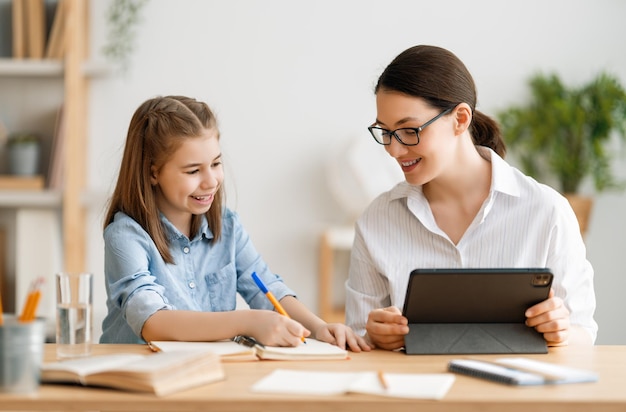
(24, 153)
(565, 133)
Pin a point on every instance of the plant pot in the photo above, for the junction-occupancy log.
(582, 208)
(24, 159)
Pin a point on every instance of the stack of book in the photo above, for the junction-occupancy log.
(30, 31)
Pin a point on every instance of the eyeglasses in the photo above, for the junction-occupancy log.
(408, 136)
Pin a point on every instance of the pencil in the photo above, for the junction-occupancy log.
(382, 380)
(279, 308)
(29, 310)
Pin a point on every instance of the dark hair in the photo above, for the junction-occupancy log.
(439, 77)
(157, 129)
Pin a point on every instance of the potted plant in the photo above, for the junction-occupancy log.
(23, 153)
(563, 135)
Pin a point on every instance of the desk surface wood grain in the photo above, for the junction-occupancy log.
(467, 394)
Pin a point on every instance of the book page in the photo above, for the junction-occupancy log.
(89, 365)
(158, 373)
(231, 351)
(312, 349)
(226, 349)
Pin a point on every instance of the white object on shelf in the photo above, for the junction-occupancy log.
(360, 171)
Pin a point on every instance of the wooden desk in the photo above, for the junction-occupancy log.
(232, 394)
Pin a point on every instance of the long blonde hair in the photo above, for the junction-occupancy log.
(157, 129)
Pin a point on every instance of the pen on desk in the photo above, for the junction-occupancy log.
(382, 380)
(270, 296)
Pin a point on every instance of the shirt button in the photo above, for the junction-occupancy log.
(192, 285)
(186, 249)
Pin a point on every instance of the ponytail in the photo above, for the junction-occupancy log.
(486, 132)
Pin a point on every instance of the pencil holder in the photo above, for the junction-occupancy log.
(21, 354)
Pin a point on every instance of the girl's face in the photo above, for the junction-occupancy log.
(428, 159)
(188, 181)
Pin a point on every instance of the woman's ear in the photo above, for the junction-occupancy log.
(463, 118)
(153, 176)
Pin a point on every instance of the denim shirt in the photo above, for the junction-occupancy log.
(205, 276)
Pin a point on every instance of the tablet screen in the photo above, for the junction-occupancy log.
(474, 295)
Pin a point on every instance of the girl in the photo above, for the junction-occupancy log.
(461, 205)
(175, 258)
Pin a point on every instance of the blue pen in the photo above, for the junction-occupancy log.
(272, 298)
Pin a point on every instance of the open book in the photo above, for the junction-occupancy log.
(246, 349)
(396, 385)
(521, 371)
(158, 373)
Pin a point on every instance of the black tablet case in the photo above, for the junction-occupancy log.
(474, 311)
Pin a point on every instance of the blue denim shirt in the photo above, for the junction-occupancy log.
(205, 277)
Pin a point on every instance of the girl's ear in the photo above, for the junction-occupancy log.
(463, 118)
(153, 176)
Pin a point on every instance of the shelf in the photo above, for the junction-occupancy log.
(48, 68)
(30, 67)
(333, 239)
(30, 198)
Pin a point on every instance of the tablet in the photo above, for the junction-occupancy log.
(474, 310)
(474, 295)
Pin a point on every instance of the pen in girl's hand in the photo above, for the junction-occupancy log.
(270, 296)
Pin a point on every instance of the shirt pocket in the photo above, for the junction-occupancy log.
(222, 288)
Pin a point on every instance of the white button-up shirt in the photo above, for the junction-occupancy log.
(522, 223)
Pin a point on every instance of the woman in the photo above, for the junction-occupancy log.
(461, 205)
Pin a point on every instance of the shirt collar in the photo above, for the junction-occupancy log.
(173, 233)
(502, 174)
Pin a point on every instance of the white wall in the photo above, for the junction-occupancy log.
(291, 82)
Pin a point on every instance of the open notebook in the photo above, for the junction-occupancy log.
(158, 373)
(247, 349)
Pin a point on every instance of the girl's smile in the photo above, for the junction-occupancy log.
(186, 184)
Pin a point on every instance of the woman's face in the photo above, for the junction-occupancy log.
(188, 181)
(428, 159)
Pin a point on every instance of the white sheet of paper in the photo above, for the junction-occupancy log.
(401, 385)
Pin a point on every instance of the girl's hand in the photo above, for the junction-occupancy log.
(386, 328)
(339, 334)
(273, 329)
(551, 318)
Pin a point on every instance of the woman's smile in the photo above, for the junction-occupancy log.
(408, 165)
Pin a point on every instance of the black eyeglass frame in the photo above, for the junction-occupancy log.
(417, 130)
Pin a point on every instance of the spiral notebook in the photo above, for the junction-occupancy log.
(246, 349)
(521, 371)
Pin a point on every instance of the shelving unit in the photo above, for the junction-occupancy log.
(333, 241)
(46, 229)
